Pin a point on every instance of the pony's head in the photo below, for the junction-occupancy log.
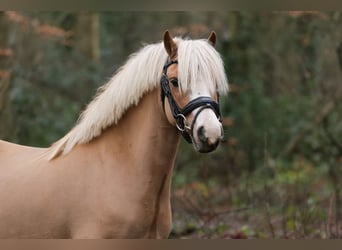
(191, 81)
(193, 77)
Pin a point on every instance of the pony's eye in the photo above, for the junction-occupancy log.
(174, 82)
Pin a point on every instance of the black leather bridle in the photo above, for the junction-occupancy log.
(180, 114)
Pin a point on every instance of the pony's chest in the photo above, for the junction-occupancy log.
(134, 208)
(141, 220)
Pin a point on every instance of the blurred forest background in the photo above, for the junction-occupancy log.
(278, 173)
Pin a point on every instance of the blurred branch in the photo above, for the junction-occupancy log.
(4, 87)
(330, 216)
(339, 55)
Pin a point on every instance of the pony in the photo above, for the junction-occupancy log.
(110, 175)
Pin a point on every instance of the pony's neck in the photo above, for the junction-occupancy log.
(143, 138)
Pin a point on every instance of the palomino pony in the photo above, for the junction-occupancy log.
(110, 176)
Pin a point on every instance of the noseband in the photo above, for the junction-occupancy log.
(180, 114)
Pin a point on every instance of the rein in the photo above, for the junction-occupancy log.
(180, 114)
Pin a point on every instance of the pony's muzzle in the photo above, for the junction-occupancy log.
(206, 141)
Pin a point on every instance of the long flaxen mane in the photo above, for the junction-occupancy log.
(142, 73)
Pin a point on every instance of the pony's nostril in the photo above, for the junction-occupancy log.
(201, 134)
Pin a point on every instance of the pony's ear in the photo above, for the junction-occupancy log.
(170, 45)
(212, 38)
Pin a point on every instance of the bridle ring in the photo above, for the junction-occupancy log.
(181, 126)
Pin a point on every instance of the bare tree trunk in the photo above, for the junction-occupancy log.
(87, 35)
(5, 56)
(95, 36)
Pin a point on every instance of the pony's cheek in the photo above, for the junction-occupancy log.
(168, 114)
